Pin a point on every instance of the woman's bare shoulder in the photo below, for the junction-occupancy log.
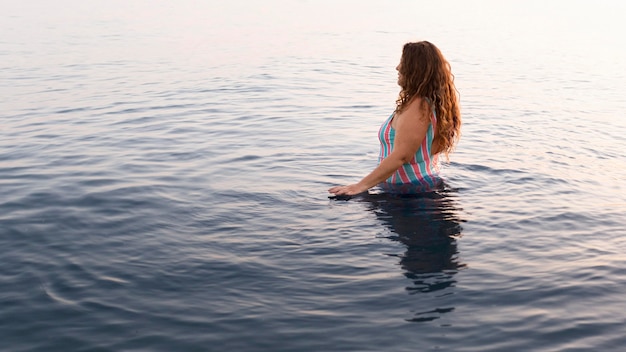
(418, 107)
(414, 117)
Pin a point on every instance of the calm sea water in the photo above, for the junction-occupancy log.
(164, 166)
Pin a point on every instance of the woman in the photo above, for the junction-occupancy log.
(425, 123)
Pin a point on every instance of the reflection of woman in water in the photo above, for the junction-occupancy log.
(428, 224)
(425, 123)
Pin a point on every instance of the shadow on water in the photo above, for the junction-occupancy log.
(428, 224)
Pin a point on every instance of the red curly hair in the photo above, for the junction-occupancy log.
(427, 74)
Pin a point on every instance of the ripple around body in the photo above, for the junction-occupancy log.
(164, 174)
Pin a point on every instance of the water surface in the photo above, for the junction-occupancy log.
(164, 167)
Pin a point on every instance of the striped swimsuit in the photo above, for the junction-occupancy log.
(423, 169)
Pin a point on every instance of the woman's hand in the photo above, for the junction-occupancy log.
(348, 190)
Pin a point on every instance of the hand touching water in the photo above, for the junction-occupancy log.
(348, 190)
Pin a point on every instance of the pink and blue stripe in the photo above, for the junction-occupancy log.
(423, 169)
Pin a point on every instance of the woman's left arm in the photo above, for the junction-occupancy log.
(411, 127)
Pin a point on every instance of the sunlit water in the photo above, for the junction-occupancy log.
(164, 166)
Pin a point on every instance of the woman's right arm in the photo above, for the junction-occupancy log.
(411, 129)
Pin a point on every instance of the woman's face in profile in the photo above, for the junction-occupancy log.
(400, 76)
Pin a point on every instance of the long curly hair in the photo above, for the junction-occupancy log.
(427, 74)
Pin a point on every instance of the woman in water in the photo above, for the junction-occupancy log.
(425, 123)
